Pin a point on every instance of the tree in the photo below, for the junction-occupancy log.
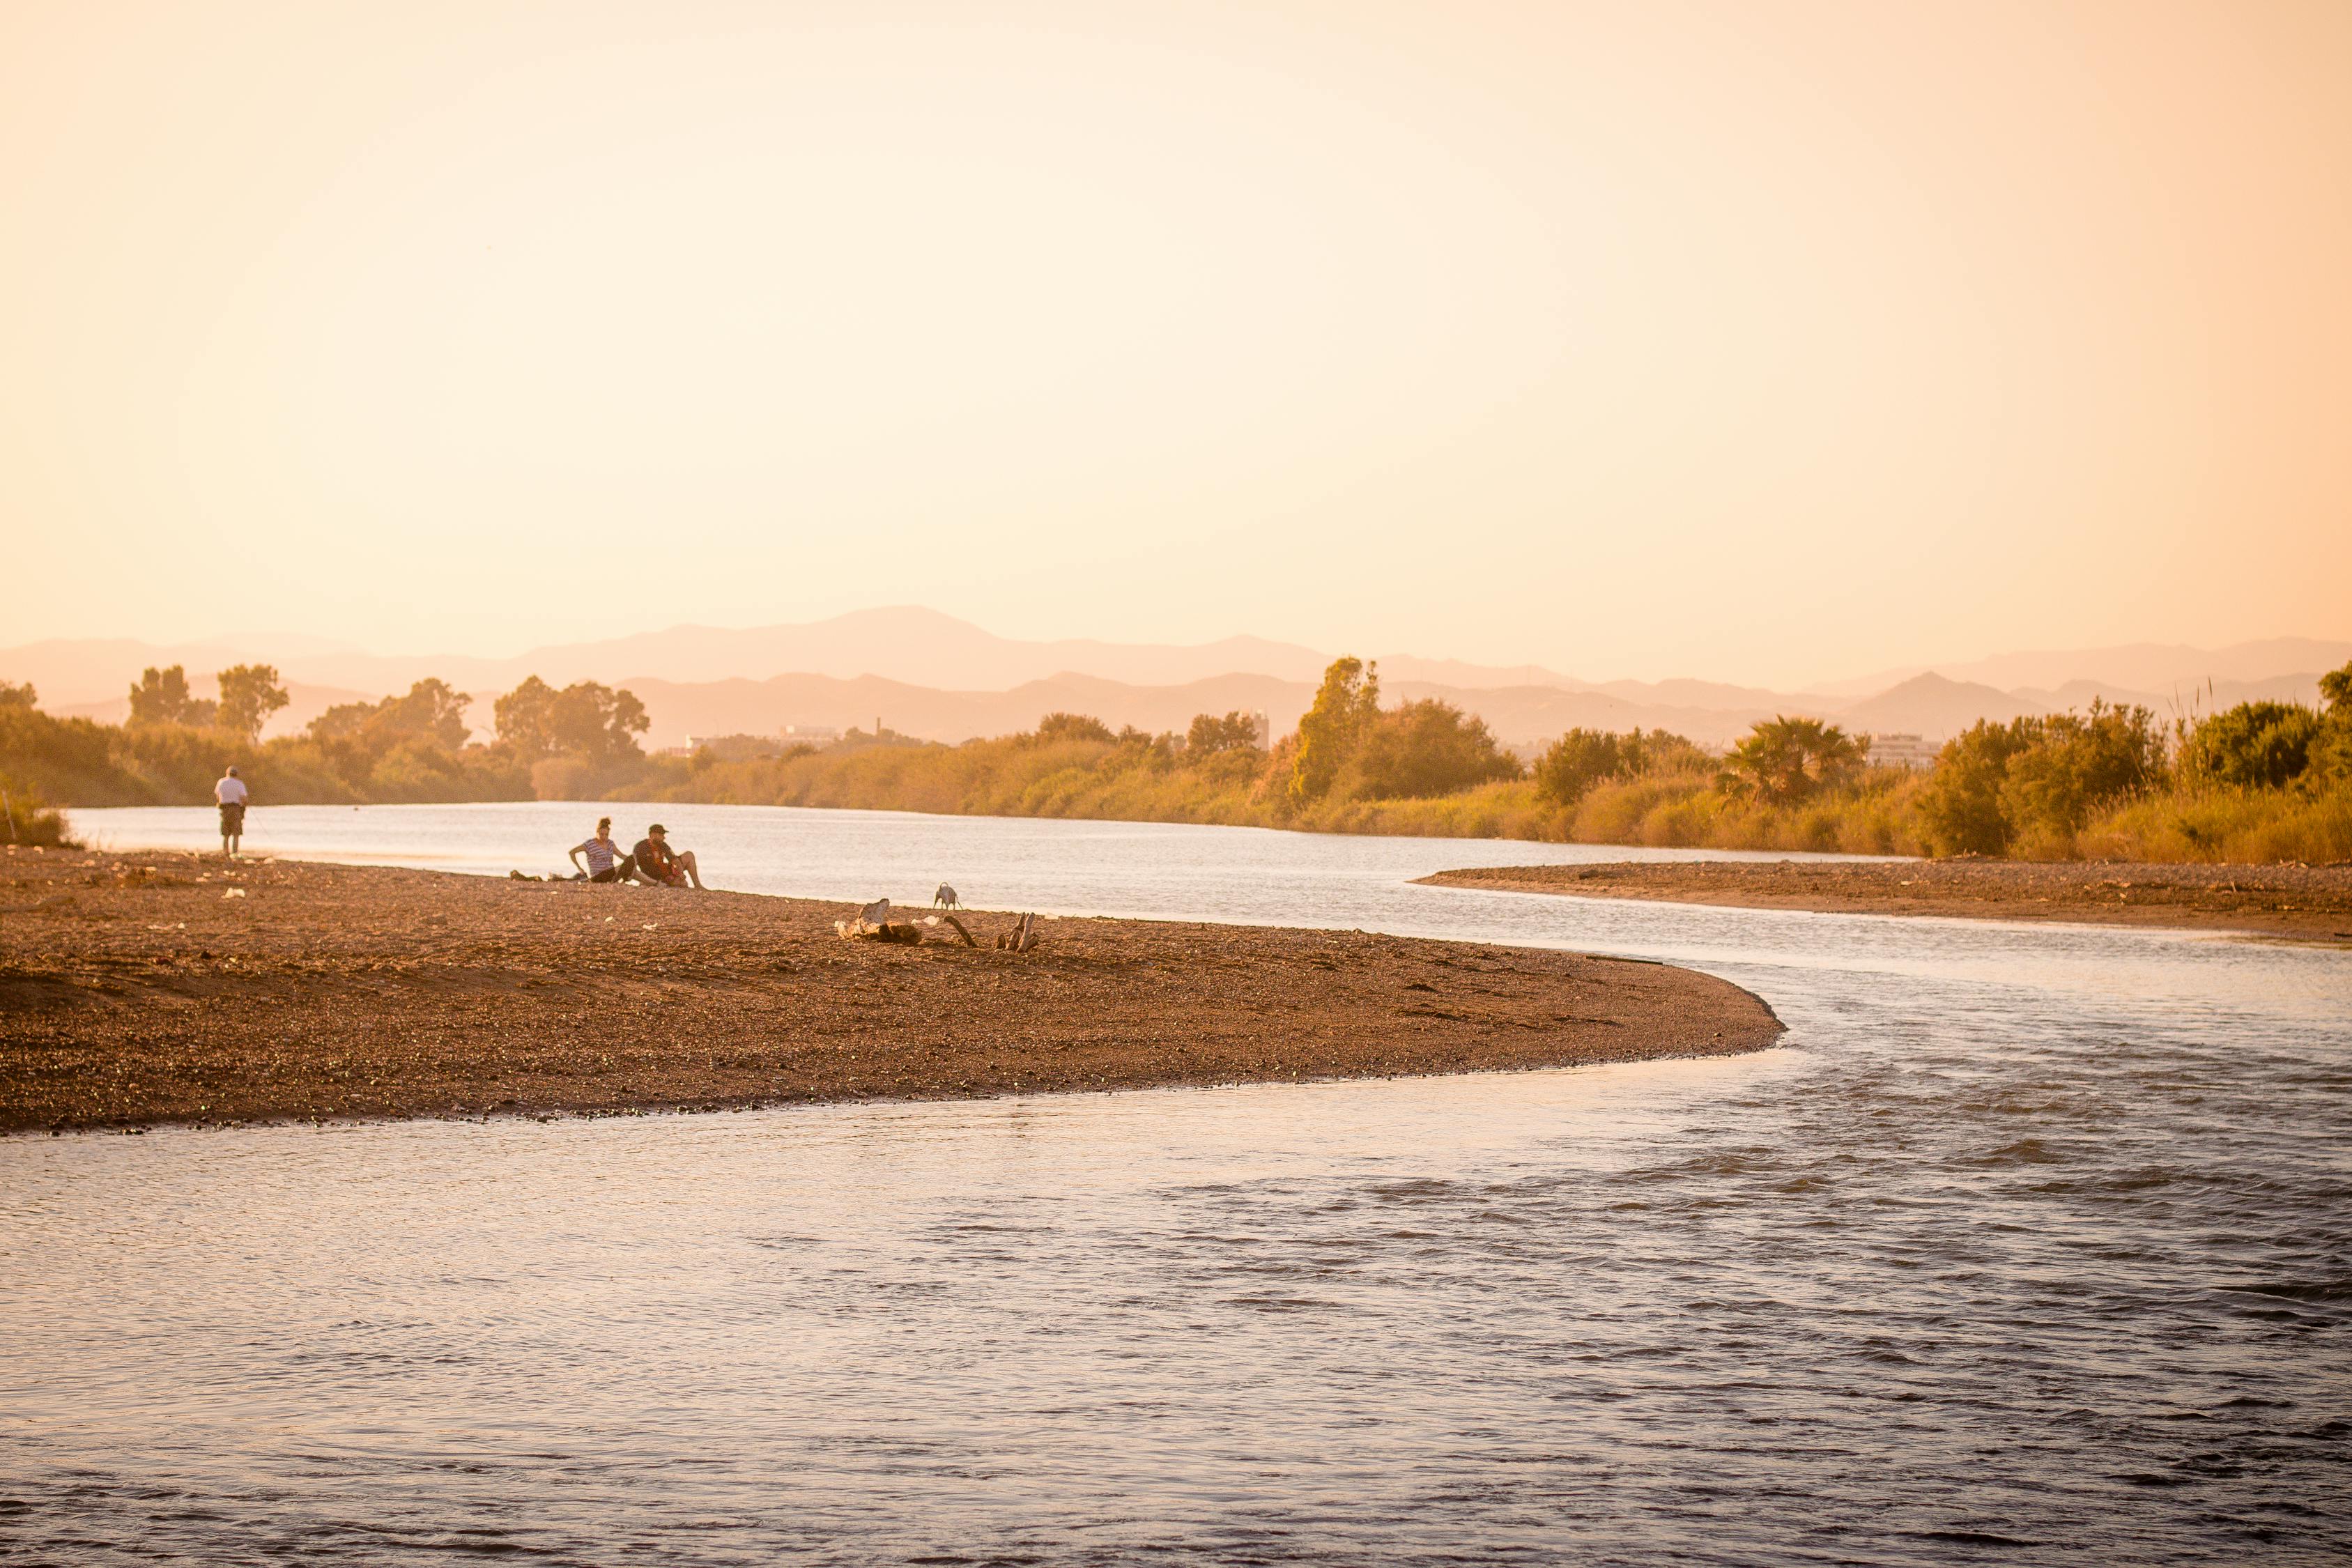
(18, 694)
(2035, 782)
(2336, 687)
(1961, 802)
(1055, 727)
(586, 720)
(2331, 752)
(1572, 764)
(433, 713)
(2255, 745)
(1236, 731)
(2075, 765)
(1423, 749)
(1783, 760)
(160, 697)
(522, 718)
(249, 694)
(1345, 706)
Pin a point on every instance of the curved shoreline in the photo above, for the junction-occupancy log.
(2305, 902)
(140, 989)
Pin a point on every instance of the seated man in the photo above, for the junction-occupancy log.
(606, 861)
(657, 862)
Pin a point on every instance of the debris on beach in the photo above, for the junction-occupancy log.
(1021, 938)
(872, 924)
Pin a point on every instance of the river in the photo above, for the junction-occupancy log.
(2028, 1245)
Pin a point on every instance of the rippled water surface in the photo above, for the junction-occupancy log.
(2030, 1244)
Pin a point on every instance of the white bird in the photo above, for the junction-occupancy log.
(946, 898)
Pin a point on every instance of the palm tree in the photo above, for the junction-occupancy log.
(1784, 760)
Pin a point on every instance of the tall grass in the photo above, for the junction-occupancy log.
(1016, 777)
(2226, 827)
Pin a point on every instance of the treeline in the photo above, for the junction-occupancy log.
(1348, 755)
(2263, 781)
(580, 741)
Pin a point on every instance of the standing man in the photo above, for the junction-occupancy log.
(657, 862)
(230, 793)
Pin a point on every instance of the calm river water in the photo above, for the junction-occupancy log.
(2030, 1245)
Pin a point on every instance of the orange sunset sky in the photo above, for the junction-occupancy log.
(1768, 341)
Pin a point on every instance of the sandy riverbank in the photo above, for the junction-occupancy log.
(143, 988)
(2310, 902)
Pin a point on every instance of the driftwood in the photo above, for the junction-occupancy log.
(874, 924)
(867, 931)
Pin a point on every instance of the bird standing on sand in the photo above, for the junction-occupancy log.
(946, 899)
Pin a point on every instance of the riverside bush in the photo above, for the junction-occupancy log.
(2259, 782)
(2226, 826)
(27, 819)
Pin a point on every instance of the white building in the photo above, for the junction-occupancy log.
(1903, 751)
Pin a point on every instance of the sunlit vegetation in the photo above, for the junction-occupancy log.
(578, 741)
(2246, 783)
(25, 816)
(2261, 781)
(1352, 765)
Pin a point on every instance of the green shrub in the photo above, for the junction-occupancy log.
(2255, 745)
(28, 819)
(1578, 759)
(1420, 750)
(69, 759)
(2033, 783)
(1209, 734)
(1055, 727)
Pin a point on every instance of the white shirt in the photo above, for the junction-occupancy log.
(229, 792)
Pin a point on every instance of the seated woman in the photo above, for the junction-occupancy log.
(657, 862)
(606, 861)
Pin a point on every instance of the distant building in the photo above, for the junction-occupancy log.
(737, 748)
(810, 734)
(1903, 751)
(1264, 730)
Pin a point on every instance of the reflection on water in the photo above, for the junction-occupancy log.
(2030, 1243)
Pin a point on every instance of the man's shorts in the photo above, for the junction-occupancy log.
(232, 818)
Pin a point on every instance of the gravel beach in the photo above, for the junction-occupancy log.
(2310, 902)
(153, 987)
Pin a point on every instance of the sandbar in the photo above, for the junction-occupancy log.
(138, 989)
(2307, 902)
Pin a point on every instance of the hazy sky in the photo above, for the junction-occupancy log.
(1759, 340)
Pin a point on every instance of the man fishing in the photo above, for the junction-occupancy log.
(230, 793)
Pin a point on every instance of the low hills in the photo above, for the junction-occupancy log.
(932, 676)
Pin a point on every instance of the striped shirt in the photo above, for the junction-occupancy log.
(601, 853)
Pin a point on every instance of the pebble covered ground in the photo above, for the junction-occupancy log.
(154, 987)
(2312, 902)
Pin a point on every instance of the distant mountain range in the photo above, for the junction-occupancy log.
(931, 675)
(2149, 668)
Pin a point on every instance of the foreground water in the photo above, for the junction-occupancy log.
(2031, 1244)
